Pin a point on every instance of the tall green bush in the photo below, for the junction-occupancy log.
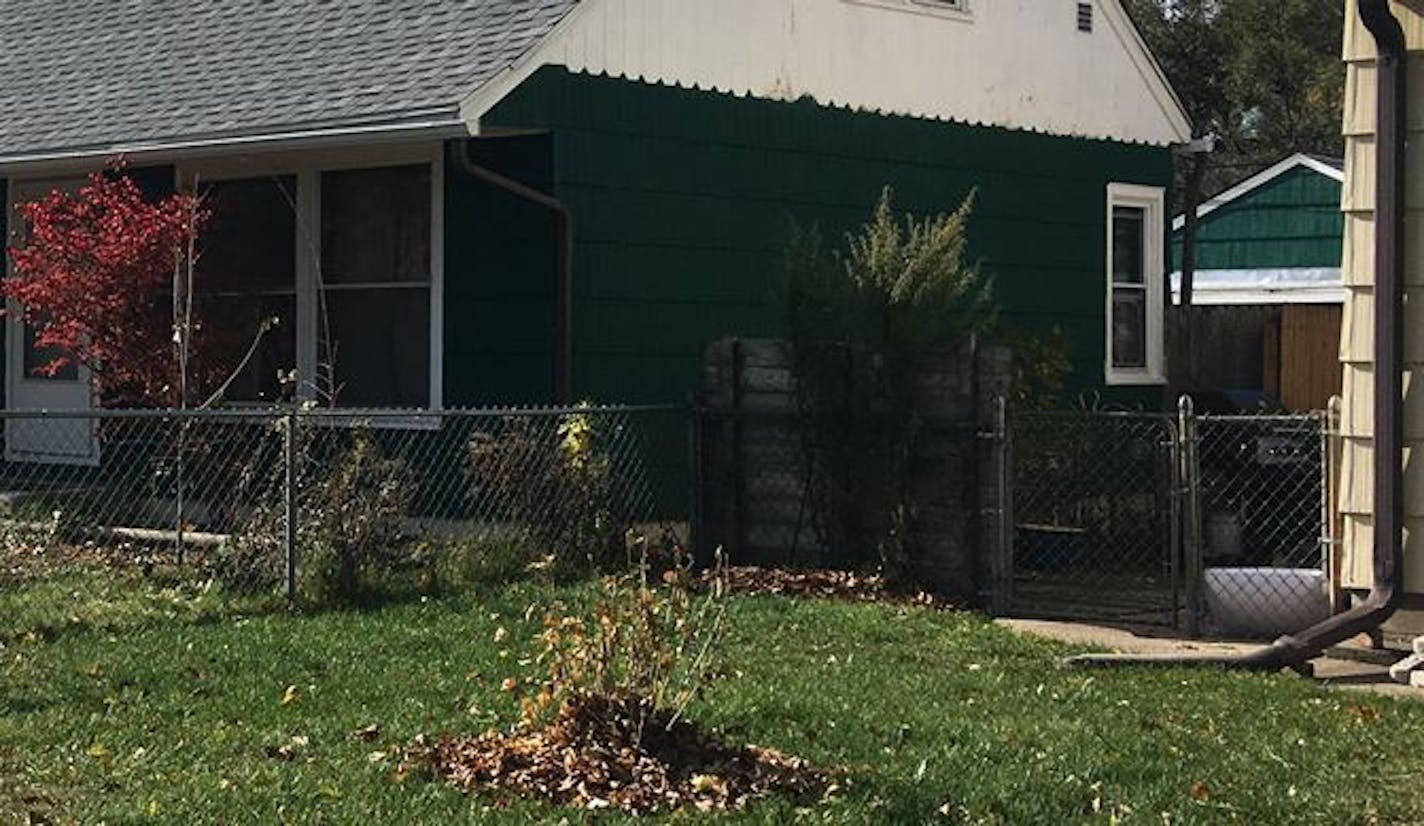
(900, 285)
(859, 320)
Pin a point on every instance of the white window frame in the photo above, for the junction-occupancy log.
(307, 167)
(1152, 201)
(952, 9)
(960, 6)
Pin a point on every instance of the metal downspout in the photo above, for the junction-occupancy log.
(1294, 651)
(564, 267)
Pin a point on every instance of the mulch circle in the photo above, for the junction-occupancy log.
(592, 756)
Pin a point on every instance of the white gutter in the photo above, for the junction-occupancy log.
(1296, 285)
(1239, 297)
(436, 125)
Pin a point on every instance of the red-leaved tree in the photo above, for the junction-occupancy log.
(94, 274)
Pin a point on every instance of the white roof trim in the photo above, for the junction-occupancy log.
(1288, 285)
(1152, 71)
(1258, 180)
(442, 126)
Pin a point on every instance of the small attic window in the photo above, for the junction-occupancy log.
(1085, 17)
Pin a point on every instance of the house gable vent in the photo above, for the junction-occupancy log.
(1085, 17)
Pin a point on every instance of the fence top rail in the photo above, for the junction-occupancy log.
(1125, 415)
(770, 414)
(1264, 418)
(275, 413)
(1083, 415)
(480, 412)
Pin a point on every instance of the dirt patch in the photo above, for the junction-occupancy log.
(602, 753)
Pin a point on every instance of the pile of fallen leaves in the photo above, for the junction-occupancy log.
(824, 584)
(618, 753)
(35, 560)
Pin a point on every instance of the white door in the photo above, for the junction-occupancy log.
(57, 440)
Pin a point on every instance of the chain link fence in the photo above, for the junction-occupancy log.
(1261, 538)
(762, 500)
(1208, 524)
(323, 504)
(777, 492)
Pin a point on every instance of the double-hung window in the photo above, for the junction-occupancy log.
(1134, 284)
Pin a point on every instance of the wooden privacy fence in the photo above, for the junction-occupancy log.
(768, 492)
(1289, 352)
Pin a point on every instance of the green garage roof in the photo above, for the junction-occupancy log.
(1274, 238)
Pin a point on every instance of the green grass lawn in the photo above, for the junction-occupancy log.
(130, 701)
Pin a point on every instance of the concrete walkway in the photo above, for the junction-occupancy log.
(1351, 667)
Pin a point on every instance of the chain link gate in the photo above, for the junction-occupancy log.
(1205, 524)
(1095, 516)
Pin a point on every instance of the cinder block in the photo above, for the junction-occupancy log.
(1401, 671)
(1417, 679)
(1419, 646)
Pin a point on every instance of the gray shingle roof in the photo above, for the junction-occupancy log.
(89, 74)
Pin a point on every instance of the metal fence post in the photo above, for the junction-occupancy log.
(737, 536)
(1190, 482)
(1329, 539)
(1003, 595)
(695, 486)
(289, 499)
(1175, 507)
(180, 481)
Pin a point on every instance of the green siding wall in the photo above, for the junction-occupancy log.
(682, 199)
(500, 254)
(1292, 221)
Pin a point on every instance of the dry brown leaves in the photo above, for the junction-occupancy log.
(33, 561)
(823, 584)
(592, 756)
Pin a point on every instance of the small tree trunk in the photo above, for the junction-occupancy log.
(182, 331)
(1193, 195)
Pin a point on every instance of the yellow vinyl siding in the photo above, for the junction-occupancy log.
(1356, 337)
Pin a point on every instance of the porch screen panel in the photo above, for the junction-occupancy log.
(375, 241)
(246, 284)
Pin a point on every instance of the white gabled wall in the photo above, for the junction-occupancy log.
(1021, 64)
